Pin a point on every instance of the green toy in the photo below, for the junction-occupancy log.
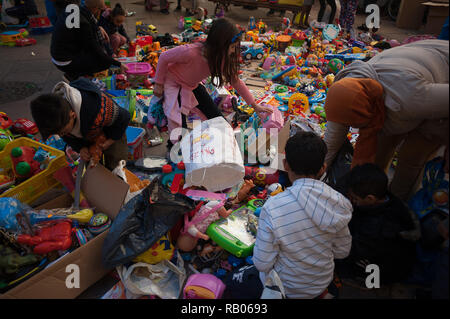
(11, 261)
(236, 233)
(5, 138)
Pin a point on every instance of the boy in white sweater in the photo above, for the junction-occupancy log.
(302, 230)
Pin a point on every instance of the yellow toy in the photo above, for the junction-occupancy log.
(83, 216)
(162, 249)
(298, 103)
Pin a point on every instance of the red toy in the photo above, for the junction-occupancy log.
(50, 238)
(24, 165)
(5, 121)
(262, 176)
(25, 42)
(24, 126)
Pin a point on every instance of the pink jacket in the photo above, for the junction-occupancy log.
(188, 68)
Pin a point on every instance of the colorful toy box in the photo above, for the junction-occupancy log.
(135, 137)
(203, 286)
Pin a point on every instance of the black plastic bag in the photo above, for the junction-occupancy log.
(340, 167)
(142, 221)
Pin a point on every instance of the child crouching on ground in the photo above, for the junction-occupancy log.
(303, 229)
(379, 227)
(80, 113)
(112, 22)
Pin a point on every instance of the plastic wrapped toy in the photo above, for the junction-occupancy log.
(244, 191)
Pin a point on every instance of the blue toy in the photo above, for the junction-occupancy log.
(235, 261)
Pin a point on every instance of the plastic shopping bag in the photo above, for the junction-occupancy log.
(212, 156)
(164, 279)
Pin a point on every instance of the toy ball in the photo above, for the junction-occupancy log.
(335, 65)
(274, 188)
(99, 223)
(312, 59)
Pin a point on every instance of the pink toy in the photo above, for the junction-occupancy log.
(274, 120)
(267, 65)
(138, 68)
(203, 286)
(196, 228)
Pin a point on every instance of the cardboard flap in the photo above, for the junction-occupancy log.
(103, 190)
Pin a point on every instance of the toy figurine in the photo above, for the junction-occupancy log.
(43, 157)
(50, 238)
(24, 165)
(11, 261)
(196, 228)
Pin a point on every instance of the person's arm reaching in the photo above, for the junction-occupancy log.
(334, 138)
(243, 91)
(266, 248)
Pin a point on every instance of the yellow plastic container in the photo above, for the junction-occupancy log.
(34, 187)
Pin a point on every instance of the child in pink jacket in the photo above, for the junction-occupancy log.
(180, 71)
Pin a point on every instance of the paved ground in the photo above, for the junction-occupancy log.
(32, 64)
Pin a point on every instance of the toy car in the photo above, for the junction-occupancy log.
(187, 23)
(25, 42)
(251, 50)
(145, 29)
(197, 25)
(24, 126)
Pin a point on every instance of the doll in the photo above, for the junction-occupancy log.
(196, 228)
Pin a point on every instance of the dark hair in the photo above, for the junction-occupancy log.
(305, 153)
(367, 179)
(118, 11)
(51, 113)
(222, 34)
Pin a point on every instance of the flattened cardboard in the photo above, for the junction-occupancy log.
(107, 192)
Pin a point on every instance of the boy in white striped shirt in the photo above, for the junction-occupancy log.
(302, 230)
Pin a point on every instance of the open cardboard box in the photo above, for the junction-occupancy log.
(106, 193)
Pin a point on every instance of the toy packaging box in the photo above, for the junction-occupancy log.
(104, 191)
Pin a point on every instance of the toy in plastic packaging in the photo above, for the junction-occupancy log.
(164, 279)
(9, 208)
(155, 113)
(142, 221)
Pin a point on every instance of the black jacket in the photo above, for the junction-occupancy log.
(68, 43)
(376, 237)
(93, 102)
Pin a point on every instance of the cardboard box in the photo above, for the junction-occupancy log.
(410, 14)
(437, 13)
(106, 193)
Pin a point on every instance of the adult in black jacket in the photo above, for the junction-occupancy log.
(22, 9)
(380, 226)
(80, 113)
(81, 51)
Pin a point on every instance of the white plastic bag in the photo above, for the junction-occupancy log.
(212, 156)
(273, 287)
(164, 279)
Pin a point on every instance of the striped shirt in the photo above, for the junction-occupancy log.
(301, 231)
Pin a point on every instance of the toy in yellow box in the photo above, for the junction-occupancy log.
(162, 249)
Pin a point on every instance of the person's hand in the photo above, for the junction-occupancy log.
(85, 155)
(158, 90)
(107, 144)
(123, 68)
(262, 109)
(105, 35)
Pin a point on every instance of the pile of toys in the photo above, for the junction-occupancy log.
(31, 239)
